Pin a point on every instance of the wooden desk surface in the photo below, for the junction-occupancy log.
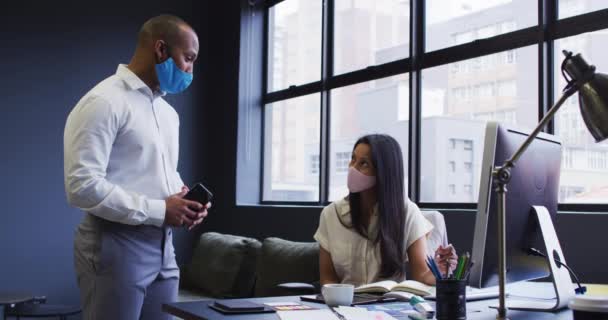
(199, 310)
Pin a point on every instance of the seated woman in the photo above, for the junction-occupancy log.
(372, 233)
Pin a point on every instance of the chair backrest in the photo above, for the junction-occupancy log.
(439, 235)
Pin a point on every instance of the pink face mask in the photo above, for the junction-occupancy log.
(358, 182)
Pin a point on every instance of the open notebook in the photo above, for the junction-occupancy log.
(421, 289)
(411, 286)
(358, 299)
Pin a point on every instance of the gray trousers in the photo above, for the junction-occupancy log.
(124, 272)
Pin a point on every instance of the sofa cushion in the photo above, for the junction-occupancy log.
(283, 261)
(222, 266)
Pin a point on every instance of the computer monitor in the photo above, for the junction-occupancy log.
(534, 184)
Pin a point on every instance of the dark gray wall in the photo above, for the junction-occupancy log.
(52, 53)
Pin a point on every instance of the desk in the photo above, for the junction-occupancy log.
(199, 310)
(9, 299)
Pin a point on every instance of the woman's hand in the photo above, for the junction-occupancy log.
(446, 257)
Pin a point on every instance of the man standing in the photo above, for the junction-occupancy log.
(120, 166)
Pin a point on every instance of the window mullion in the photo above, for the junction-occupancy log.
(416, 53)
(264, 86)
(326, 72)
(547, 15)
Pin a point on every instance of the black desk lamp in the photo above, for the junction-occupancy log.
(593, 101)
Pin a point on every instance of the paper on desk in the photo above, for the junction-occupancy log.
(281, 303)
(322, 314)
(354, 313)
(288, 306)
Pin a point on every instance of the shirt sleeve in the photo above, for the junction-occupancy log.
(89, 134)
(322, 234)
(416, 225)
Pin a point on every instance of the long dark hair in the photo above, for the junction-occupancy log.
(388, 161)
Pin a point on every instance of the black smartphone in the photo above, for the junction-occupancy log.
(199, 193)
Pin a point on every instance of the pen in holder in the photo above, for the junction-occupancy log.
(451, 303)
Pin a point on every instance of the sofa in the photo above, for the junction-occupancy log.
(230, 266)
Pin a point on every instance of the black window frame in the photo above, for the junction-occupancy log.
(542, 35)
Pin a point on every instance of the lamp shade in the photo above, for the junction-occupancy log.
(593, 102)
(593, 93)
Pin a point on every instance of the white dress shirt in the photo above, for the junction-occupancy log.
(357, 259)
(121, 151)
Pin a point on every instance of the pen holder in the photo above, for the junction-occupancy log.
(451, 303)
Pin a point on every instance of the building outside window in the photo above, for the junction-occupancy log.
(468, 189)
(452, 189)
(468, 167)
(342, 161)
(314, 164)
(456, 98)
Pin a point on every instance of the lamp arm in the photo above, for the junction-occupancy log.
(569, 91)
(502, 175)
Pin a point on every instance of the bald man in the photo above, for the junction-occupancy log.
(120, 166)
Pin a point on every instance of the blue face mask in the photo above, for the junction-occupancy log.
(171, 78)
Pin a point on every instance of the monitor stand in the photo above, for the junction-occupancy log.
(562, 283)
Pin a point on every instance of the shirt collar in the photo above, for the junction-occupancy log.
(134, 82)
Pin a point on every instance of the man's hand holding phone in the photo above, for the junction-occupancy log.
(189, 207)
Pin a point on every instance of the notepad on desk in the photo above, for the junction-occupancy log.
(411, 286)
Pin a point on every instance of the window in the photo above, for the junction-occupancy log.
(314, 164)
(596, 160)
(510, 57)
(342, 161)
(462, 37)
(570, 194)
(452, 166)
(584, 169)
(468, 167)
(569, 8)
(339, 69)
(369, 32)
(492, 97)
(468, 145)
(567, 159)
(469, 20)
(355, 112)
(287, 176)
(468, 190)
(294, 47)
(507, 88)
(488, 31)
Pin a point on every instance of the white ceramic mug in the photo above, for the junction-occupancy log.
(337, 294)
